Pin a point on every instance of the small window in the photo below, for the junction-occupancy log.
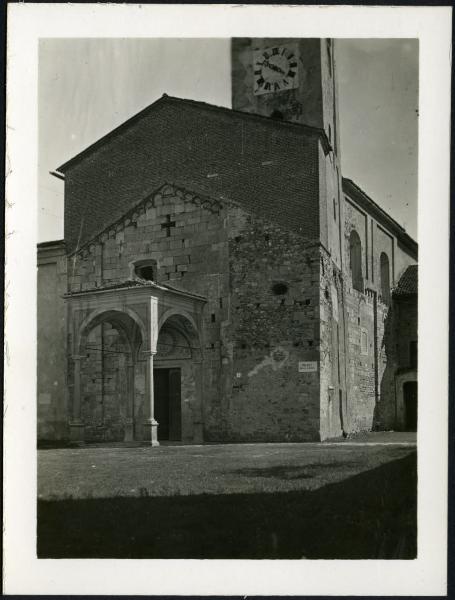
(334, 209)
(279, 289)
(145, 269)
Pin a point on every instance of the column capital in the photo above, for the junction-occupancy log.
(149, 352)
(78, 356)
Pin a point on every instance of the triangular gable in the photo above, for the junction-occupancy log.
(139, 209)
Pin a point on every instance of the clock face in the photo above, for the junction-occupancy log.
(275, 70)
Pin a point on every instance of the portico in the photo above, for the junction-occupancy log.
(112, 346)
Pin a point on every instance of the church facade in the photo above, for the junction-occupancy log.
(219, 280)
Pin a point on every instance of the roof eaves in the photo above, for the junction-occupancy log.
(135, 284)
(51, 244)
(102, 140)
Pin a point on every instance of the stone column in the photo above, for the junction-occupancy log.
(76, 424)
(150, 425)
(129, 421)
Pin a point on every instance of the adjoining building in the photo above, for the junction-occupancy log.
(219, 280)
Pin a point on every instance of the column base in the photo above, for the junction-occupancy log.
(77, 431)
(151, 432)
(129, 431)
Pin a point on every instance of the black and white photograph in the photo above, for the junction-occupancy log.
(228, 335)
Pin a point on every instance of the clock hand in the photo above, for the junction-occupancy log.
(273, 67)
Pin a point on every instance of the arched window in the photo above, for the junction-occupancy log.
(385, 278)
(355, 254)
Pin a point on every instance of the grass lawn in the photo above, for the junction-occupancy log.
(228, 501)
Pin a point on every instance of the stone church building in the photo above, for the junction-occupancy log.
(219, 280)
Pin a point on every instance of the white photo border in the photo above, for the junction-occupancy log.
(23, 572)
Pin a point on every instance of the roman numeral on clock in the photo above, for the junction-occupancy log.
(275, 51)
(260, 81)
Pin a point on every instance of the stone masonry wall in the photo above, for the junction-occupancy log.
(400, 330)
(51, 347)
(270, 331)
(369, 364)
(193, 257)
(332, 365)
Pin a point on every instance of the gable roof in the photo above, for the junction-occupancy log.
(268, 167)
(202, 106)
(129, 284)
(408, 283)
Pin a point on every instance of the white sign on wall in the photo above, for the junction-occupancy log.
(308, 366)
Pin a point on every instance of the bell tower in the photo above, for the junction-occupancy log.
(287, 78)
(294, 80)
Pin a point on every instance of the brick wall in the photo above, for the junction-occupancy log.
(268, 166)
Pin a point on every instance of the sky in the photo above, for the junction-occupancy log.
(89, 86)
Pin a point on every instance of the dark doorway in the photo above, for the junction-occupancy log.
(410, 405)
(168, 404)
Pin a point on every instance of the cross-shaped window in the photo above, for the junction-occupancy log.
(167, 225)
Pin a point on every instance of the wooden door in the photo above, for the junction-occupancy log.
(410, 404)
(168, 412)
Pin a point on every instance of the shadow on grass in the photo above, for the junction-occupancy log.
(292, 472)
(370, 515)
